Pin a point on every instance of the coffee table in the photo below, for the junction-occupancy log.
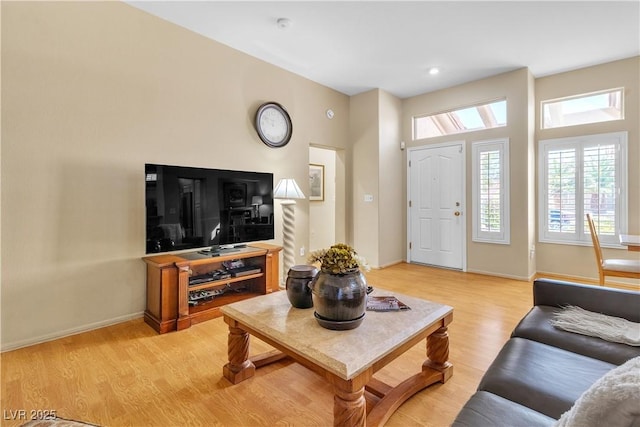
(347, 359)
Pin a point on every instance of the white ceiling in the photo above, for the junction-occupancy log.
(356, 46)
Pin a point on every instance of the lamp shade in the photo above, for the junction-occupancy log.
(287, 189)
(256, 200)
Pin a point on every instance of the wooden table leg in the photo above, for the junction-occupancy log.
(435, 369)
(349, 408)
(438, 353)
(239, 367)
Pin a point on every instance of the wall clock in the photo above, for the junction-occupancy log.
(273, 125)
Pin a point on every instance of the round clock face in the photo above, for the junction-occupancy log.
(273, 125)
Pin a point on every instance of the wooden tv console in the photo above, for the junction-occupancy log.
(168, 288)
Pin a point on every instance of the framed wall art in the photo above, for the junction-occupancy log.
(235, 194)
(316, 182)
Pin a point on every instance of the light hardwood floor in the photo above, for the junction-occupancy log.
(127, 375)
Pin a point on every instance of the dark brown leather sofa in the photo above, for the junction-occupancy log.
(541, 371)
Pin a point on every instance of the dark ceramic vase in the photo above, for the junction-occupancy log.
(339, 297)
(297, 285)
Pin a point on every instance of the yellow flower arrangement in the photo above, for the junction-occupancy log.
(338, 259)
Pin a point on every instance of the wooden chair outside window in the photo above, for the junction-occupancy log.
(612, 267)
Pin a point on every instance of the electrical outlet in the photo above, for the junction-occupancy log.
(302, 251)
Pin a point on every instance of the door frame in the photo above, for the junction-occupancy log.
(463, 208)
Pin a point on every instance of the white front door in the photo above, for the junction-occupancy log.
(436, 201)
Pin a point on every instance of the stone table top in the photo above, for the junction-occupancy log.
(344, 353)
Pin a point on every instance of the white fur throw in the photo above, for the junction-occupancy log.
(612, 401)
(581, 321)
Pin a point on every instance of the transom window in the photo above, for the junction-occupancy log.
(581, 109)
(476, 117)
(581, 175)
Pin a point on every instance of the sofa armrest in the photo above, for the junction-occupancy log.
(609, 301)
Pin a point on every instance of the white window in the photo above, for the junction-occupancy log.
(581, 109)
(491, 191)
(475, 117)
(581, 175)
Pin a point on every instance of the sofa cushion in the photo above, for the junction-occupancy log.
(544, 378)
(489, 410)
(536, 326)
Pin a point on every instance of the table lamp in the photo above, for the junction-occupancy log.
(256, 201)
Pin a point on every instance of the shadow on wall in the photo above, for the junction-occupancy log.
(72, 297)
(98, 214)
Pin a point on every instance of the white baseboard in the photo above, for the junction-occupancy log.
(389, 264)
(506, 276)
(68, 332)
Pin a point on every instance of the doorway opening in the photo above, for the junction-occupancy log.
(327, 198)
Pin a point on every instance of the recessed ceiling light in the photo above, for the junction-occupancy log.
(284, 23)
(434, 70)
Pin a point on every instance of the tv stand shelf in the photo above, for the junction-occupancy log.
(217, 283)
(168, 307)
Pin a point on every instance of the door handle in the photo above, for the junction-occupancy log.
(457, 213)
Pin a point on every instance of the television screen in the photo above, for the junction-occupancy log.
(197, 207)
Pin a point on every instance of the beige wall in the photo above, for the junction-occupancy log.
(0, 189)
(391, 199)
(378, 226)
(363, 132)
(85, 104)
(579, 261)
(505, 260)
(531, 175)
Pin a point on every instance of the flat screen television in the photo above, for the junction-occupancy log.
(218, 209)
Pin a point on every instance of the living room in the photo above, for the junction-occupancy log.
(145, 94)
(94, 90)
